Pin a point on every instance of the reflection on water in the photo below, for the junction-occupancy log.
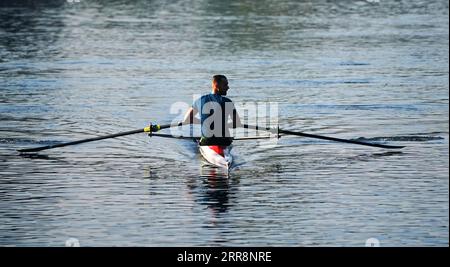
(364, 70)
(215, 189)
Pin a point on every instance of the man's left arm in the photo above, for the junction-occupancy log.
(236, 120)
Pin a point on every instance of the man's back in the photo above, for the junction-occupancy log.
(215, 110)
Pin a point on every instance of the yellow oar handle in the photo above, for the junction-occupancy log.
(152, 128)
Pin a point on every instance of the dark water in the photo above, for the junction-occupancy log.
(373, 70)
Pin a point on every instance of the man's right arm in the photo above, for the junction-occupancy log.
(189, 117)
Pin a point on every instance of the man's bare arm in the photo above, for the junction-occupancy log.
(189, 117)
(236, 120)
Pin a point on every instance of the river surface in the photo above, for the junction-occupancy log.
(375, 71)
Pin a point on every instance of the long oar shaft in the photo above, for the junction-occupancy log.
(81, 141)
(320, 137)
(151, 128)
(198, 137)
(339, 140)
(174, 136)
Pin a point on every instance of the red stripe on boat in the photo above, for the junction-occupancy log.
(218, 149)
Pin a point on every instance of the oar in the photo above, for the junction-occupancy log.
(198, 137)
(281, 131)
(151, 128)
(173, 136)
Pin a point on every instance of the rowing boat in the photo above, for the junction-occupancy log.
(219, 156)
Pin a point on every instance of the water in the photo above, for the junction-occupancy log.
(374, 70)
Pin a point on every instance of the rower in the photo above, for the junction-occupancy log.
(215, 109)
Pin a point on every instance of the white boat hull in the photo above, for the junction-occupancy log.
(216, 159)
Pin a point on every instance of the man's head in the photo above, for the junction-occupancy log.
(220, 85)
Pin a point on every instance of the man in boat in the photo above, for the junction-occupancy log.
(215, 110)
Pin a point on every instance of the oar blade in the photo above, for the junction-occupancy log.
(385, 146)
(35, 149)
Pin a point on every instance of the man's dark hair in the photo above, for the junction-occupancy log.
(219, 77)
